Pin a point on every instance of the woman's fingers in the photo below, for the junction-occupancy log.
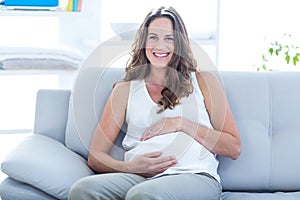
(153, 154)
(161, 163)
(154, 163)
(150, 132)
(163, 126)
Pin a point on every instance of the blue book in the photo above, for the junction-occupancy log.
(45, 3)
(75, 5)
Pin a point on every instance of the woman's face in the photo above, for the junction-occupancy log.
(160, 42)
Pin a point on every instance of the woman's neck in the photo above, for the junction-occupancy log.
(157, 76)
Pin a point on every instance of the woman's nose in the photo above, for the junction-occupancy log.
(160, 44)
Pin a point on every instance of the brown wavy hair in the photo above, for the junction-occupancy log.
(182, 63)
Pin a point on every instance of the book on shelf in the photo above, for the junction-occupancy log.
(69, 6)
(32, 3)
(79, 5)
(74, 5)
(29, 5)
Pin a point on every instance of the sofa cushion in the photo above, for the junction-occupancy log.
(87, 102)
(267, 110)
(285, 132)
(251, 170)
(45, 164)
(51, 113)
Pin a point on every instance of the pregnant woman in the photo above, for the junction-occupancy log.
(177, 120)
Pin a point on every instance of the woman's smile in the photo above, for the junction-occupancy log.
(160, 55)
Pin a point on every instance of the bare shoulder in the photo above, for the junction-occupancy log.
(120, 93)
(207, 76)
(208, 80)
(122, 87)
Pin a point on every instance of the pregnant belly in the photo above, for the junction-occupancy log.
(177, 144)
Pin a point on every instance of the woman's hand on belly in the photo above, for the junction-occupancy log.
(163, 126)
(151, 164)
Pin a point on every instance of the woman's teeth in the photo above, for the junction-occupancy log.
(161, 54)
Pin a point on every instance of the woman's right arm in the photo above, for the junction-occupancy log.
(106, 133)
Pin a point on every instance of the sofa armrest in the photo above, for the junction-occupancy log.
(52, 113)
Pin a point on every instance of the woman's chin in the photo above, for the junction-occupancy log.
(160, 65)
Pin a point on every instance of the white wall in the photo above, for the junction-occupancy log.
(81, 30)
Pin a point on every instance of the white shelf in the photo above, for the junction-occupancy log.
(35, 12)
(73, 29)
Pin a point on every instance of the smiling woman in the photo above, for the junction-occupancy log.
(171, 133)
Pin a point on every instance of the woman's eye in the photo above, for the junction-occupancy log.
(169, 39)
(152, 37)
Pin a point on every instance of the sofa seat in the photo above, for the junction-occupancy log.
(260, 196)
(14, 190)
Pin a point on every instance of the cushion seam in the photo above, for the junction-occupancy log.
(269, 77)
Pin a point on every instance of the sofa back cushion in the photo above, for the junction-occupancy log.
(88, 98)
(266, 107)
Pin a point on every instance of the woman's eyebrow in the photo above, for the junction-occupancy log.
(152, 34)
(167, 35)
(170, 35)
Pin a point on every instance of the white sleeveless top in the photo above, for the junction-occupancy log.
(141, 112)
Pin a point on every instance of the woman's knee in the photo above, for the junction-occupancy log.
(139, 192)
(80, 190)
(104, 186)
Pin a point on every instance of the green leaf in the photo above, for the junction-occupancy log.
(287, 58)
(296, 59)
(264, 67)
(277, 51)
(264, 58)
(271, 50)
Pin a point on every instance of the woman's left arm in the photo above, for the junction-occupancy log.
(224, 139)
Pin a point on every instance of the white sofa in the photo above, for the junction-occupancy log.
(266, 107)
